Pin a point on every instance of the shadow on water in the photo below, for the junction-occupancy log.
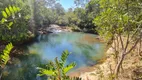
(85, 49)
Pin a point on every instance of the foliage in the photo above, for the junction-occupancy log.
(4, 57)
(57, 70)
(47, 12)
(81, 3)
(120, 21)
(8, 12)
(81, 16)
(115, 17)
(16, 20)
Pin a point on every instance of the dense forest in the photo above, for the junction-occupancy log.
(117, 22)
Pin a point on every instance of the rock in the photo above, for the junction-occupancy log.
(53, 28)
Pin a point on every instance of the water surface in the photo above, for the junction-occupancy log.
(85, 49)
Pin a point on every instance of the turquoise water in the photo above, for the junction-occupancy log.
(85, 49)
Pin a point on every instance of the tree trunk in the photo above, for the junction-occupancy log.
(139, 48)
(118, 66)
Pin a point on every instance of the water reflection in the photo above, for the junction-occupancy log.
(82, 46)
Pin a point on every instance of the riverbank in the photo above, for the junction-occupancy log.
(132, 68)
(53, 28)
(89, 38)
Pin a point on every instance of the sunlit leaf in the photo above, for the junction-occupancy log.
(45, 72)
(4, 14)
(15, 9)
(7, 11)
(10, 24)
(11, 9)
(64, 56)
(57, 68)
(18, 9)
(3, 20)
(5, 55)
(69, 67)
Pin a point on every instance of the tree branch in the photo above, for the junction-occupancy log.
(135, 32)
(134, 45)
(121, 41)
(127, 42)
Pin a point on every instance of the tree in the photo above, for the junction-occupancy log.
(8, 12)
(59, 9)
(47, 12)
(118, 19)
(87, 14)
(20, 30)
(81, 3)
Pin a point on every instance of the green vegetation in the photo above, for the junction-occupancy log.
(119, 19)
(13, 25)
(4, 57)
(118, 22)
(81, 18)
(58, 70)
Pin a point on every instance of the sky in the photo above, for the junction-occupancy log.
(67, 3)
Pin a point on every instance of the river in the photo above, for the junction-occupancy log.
(85, 49)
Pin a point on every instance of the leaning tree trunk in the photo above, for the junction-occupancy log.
(118, 66)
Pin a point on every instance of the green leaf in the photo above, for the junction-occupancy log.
(3, 20)
(11, 9)
(69, 67)
(58, 66)
(5, 58)
(18, 9)
(46, 72)
(10, 24)
(64, 56)
(4, 14)
(7, 11)
(15, 9)
(8, 27)
(5, 55)
(27, 17)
